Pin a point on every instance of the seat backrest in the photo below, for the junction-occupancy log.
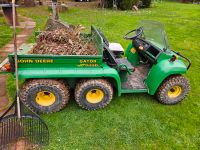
(110, 57)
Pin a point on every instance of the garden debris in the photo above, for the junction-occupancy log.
(53, 24)
(64, 41)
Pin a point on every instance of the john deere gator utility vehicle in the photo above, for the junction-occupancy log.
(148, 66)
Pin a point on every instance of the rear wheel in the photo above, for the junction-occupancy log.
(93, 94)
(45, 95)
(173, 90)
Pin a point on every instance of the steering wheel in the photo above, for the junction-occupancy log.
(137, 32)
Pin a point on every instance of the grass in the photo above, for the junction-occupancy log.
(6, 32)
(133, 121)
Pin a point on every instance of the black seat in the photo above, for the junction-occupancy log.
(112, 61)
(124, 61)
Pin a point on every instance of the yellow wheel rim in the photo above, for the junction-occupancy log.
(174, 91)
(45, 98)
(95, 96)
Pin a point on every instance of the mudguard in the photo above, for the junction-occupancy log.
(160, 71)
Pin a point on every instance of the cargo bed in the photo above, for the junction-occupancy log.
(27, 60)
(36, 60)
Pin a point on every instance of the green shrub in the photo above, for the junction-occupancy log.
(146, 3)
(109, 4)
(128, 4)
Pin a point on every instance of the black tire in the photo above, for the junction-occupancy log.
(173, 90)
(57, 91)
(102, 88)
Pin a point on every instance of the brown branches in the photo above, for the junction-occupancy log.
(63, 42)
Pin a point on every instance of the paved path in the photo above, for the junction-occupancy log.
(27, 28)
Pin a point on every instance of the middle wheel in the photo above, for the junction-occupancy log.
(93, 94)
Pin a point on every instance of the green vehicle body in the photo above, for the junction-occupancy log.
(159, 71)
(70, 68)
(73, 68)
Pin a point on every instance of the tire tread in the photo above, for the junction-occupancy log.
(84, 83)
(169, 82)
(59, 84)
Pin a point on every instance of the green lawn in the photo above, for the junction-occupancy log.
(5, 32)
(133, 121)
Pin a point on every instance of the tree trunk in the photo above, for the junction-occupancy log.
(114, 4)
(101, 3)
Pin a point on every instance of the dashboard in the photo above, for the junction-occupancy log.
(147, 49)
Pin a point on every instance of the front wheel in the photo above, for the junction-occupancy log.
(173, 90)
(93, 94)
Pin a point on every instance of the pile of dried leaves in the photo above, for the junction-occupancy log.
(64, 41)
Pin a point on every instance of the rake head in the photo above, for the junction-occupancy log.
(27, 132)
